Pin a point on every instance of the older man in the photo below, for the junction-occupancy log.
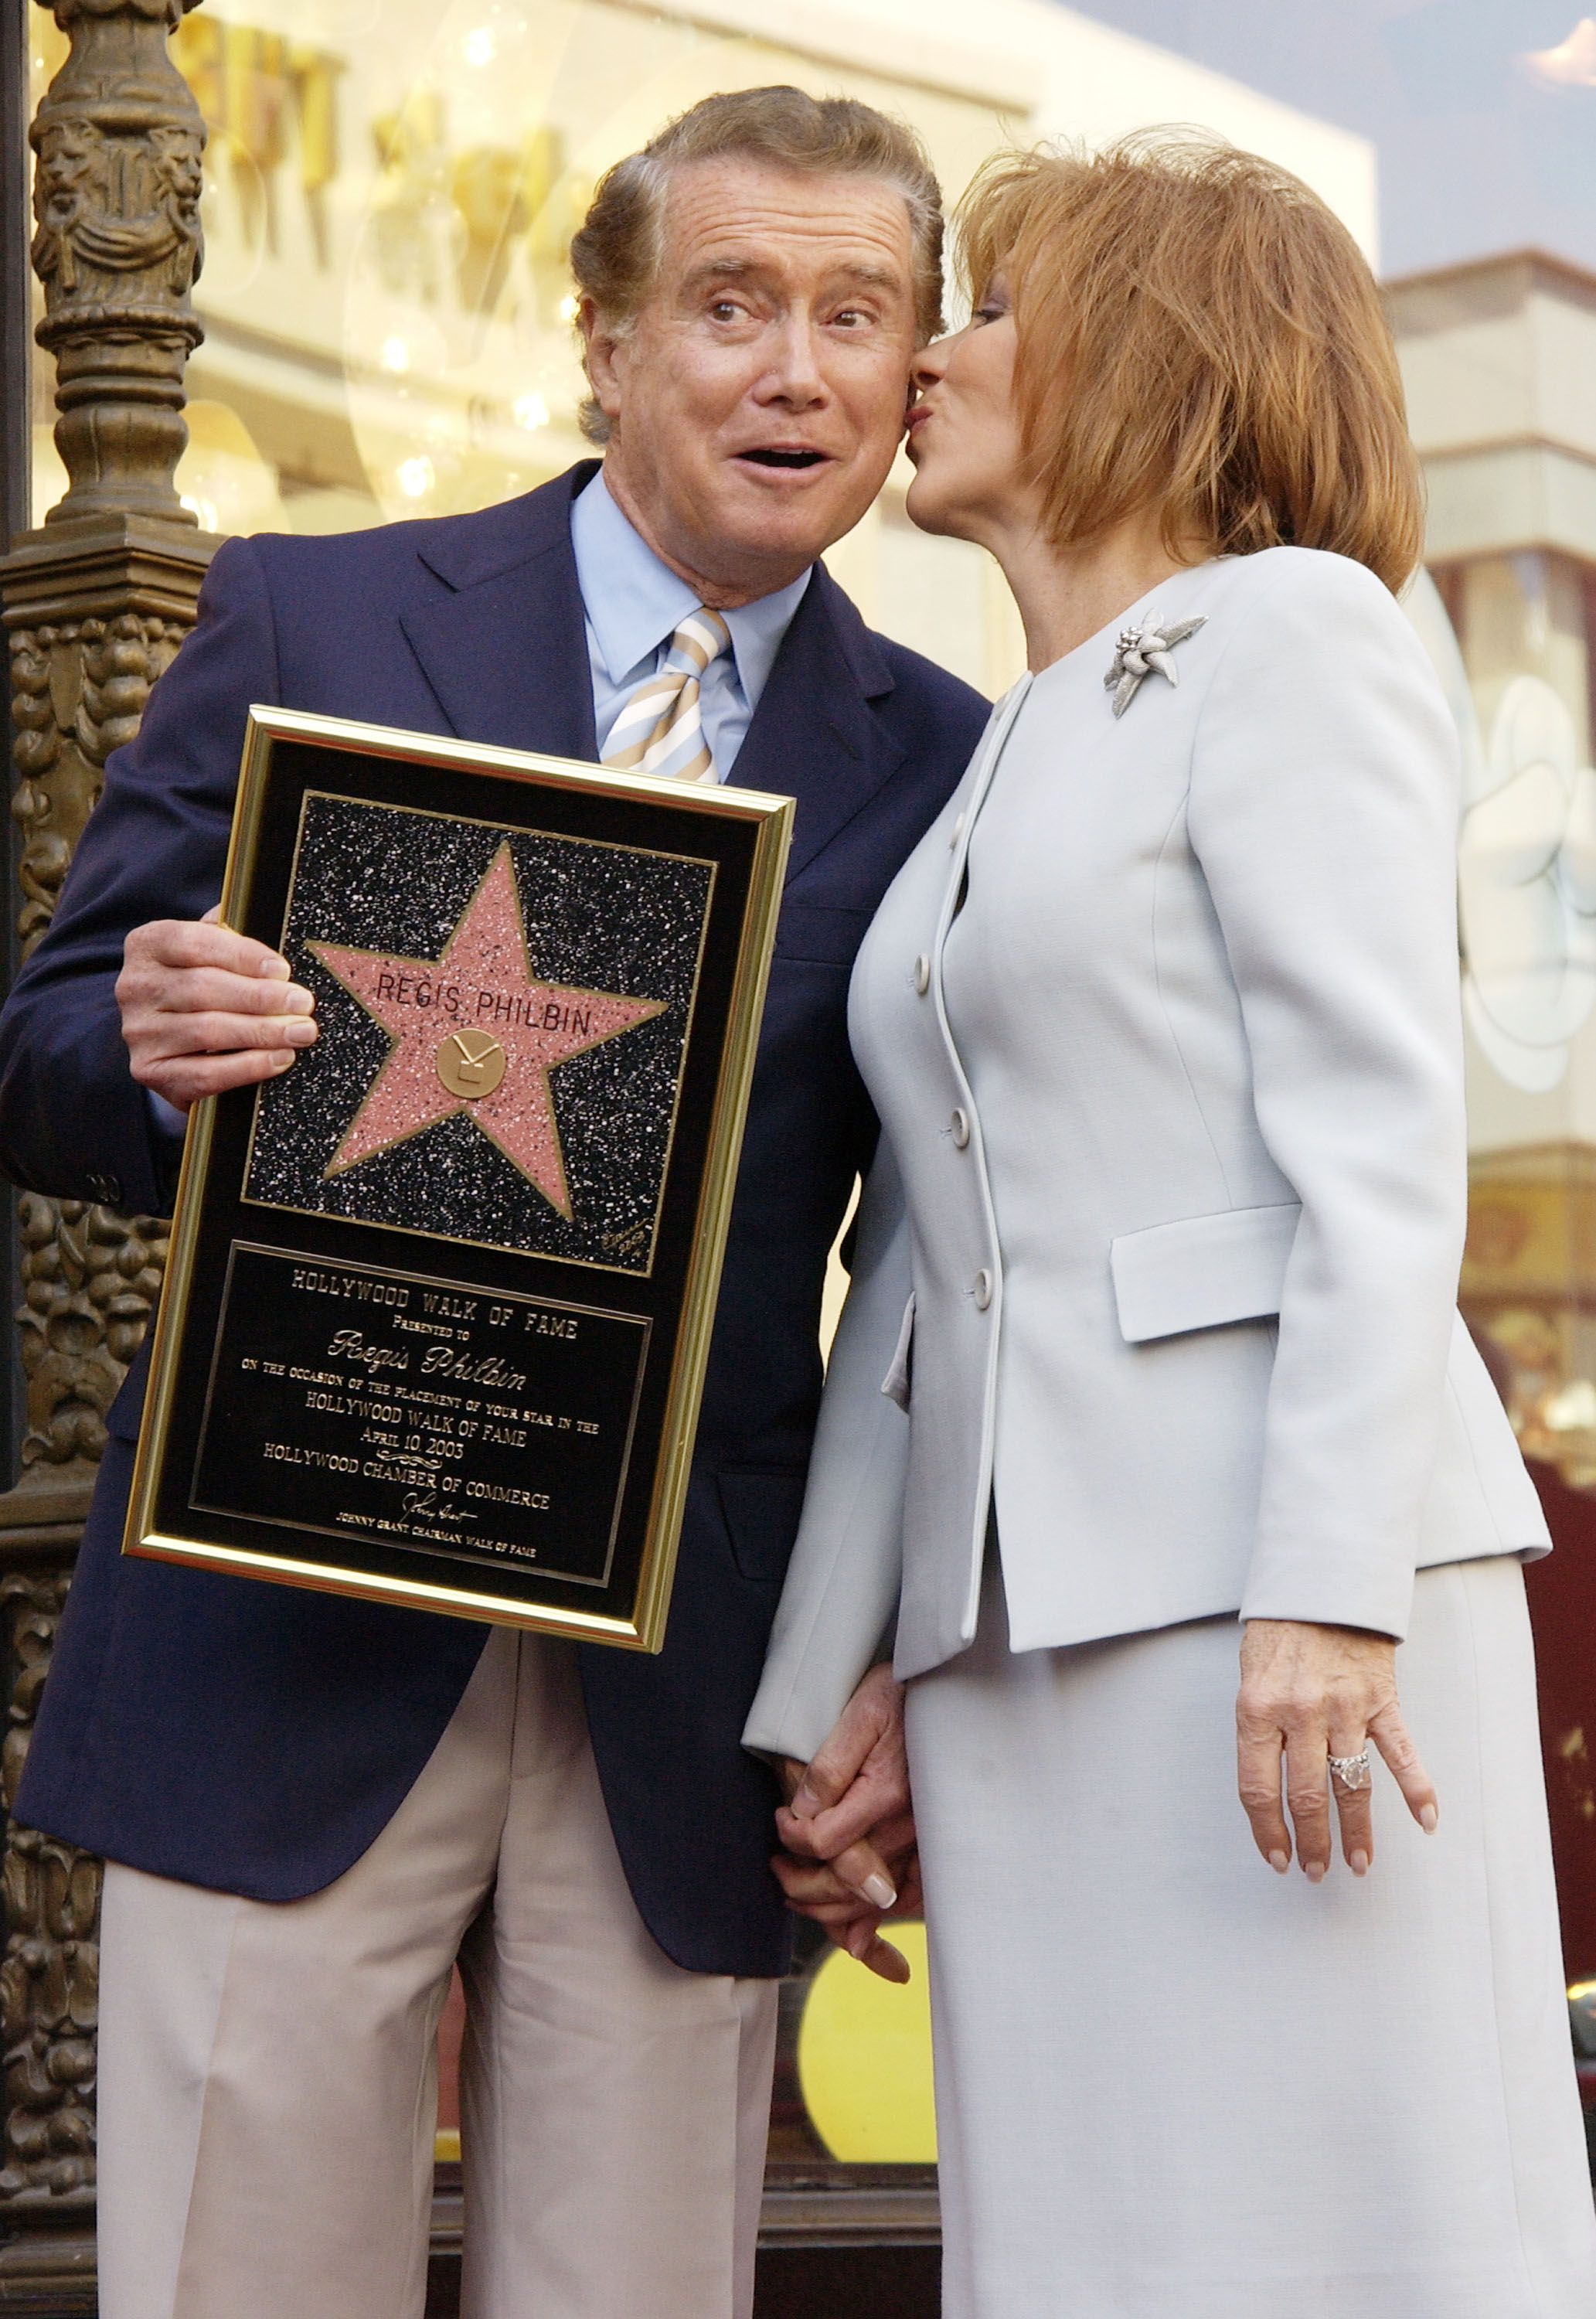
(310, 1807)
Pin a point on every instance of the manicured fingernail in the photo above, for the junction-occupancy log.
(805, 1803)
(299, 1034)
(274, 969)
(281, 1062)
(877, 1891)
(1279, 1861)
(1314, 1870)
(1358, 1861)
(298, 1000)
(1428, 1819)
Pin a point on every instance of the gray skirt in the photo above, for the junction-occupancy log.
(1173, 2085)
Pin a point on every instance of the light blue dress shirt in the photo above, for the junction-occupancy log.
(633, 605)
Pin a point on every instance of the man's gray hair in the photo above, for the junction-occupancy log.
(616, 255)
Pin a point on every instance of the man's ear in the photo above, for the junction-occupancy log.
(601, 345)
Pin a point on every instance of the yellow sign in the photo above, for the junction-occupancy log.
(864, 2060)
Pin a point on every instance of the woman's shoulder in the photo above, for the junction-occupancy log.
(1315, 642)
(1306, 604)
(1309, 577)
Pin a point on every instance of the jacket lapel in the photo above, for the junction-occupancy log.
(505, 650)
(814, 737)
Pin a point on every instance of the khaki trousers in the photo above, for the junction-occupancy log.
(268, 2075)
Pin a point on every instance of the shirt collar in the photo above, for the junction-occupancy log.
(634, 601)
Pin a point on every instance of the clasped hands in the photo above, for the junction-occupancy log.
(848, 1858)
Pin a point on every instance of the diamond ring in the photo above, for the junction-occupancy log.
(1353, 1772)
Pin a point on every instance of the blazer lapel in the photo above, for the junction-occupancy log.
(814, 737)
(505, 650)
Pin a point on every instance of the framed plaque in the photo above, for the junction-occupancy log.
(439, 1296)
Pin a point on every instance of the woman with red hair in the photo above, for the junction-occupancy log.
(1151, 1364)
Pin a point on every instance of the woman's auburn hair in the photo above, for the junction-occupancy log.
(1197, 332)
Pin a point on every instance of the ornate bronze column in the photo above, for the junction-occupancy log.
(95, 601)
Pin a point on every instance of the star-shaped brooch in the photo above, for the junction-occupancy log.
(1139, 650)
(475, 1031)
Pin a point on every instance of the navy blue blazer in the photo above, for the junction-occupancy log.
(256, 1738)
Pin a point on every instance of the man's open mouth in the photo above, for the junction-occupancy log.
(783, 458)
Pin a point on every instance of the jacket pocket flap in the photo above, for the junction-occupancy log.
(820, 933)
(1202, 1272)
(896, 1383)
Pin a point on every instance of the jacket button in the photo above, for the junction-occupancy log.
(923, 974)
(983, 1289)
(106, 1189)
(961, 1124)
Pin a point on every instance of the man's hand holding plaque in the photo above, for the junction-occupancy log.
(204, 1009)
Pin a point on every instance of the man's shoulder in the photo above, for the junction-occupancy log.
(390, 546)
(504, 535)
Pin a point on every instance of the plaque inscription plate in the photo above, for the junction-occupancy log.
(440, 1296)
(489, 1427)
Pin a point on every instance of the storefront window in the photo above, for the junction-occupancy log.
(391, 188)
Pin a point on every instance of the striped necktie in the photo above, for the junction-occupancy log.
(659, 729)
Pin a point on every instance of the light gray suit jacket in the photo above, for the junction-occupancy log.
(1160, 1253)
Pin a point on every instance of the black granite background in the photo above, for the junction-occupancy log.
(600, 917)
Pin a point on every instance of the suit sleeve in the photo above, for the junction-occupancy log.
(842, 1581)
(1323, 810)
(73, 1121)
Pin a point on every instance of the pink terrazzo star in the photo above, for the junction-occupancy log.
(480, 997)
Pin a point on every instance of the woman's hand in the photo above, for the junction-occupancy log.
(1309, 1692)
(850, 1856)
(813, 1888)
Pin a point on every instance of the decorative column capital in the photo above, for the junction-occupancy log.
(168, 13)
(116, 201)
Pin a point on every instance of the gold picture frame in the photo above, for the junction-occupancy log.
(532, 1269)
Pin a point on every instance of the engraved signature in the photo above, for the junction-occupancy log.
(424, 1506)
